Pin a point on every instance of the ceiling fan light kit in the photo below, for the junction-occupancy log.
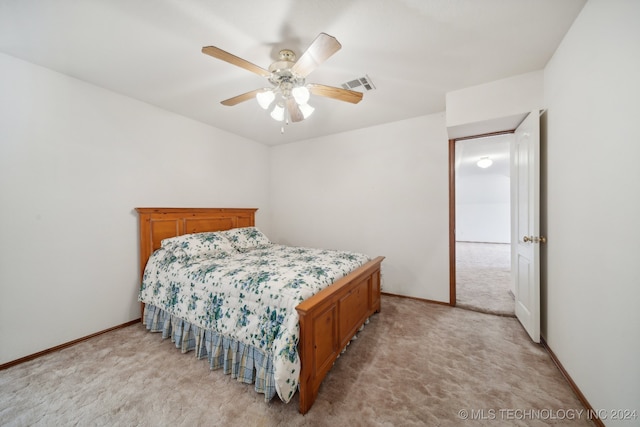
(285, 86)
(265, 98)
(301, 94)
(290, 92)
(278, 113)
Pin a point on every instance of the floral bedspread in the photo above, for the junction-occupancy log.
(249, 297)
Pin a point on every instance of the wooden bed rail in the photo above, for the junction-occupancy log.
(328, 321)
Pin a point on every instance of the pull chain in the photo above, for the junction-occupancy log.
(286, 120)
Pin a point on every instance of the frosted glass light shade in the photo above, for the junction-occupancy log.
(265, 98)
(306, 110)
(278, 113)
(484, 162)
(300, 94)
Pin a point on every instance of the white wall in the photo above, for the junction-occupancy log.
(381, 191)
(494, 106)
(483, 195)
(75, 160)
(592, 92)
(483, 208)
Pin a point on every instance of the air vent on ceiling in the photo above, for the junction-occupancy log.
(359, 83)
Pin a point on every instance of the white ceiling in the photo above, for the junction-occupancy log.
(414, 51)
(469, 151)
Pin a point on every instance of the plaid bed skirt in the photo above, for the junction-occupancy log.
(243, 362)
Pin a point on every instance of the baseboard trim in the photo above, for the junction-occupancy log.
(416, 298)
(593, 414)
(65, 345)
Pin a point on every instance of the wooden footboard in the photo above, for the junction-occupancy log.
(329, 320)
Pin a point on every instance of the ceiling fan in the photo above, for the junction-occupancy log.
(289, 92)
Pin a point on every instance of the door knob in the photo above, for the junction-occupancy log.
(532, 239)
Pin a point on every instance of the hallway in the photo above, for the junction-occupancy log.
(483, 276)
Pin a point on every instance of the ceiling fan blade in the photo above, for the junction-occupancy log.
(241, 98)
(346, 95)
(319, 51)
(234, 60)
(294, 110)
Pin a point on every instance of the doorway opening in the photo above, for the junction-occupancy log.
(480, 236)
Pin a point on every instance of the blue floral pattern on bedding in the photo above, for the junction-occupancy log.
(246, 238)
(199, 245)
(249, 297)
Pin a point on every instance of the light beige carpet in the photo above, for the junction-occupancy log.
(414, 364)
(483, 277)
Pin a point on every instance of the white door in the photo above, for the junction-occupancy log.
(525, 223)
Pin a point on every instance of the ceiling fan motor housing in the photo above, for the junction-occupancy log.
(281, 74)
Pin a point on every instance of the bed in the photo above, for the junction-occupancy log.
(326, 321)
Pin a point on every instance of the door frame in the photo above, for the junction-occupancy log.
(452, 208)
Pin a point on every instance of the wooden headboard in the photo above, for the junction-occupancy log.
(161, 223)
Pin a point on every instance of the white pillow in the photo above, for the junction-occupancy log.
(246, 238)
(199, 245)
